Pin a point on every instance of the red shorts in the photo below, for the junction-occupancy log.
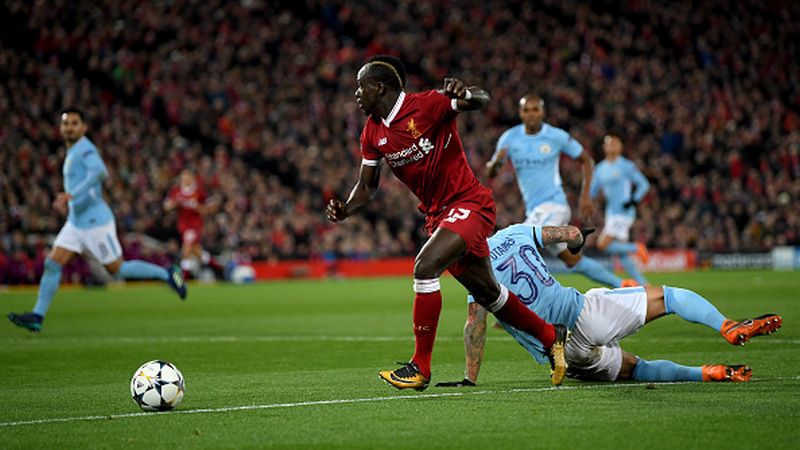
(474, 221)
(190, 235)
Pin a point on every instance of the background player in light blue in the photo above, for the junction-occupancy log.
(90, 225)
(599, 318)
(623, 186)
(534, 148)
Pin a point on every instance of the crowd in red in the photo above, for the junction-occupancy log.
(257, 98)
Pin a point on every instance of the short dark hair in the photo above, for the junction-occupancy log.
(615, 134)
(72, 110)
(389, 70)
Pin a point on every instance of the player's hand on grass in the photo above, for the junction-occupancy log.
(61, 202)
(584, 232)
(337, 210)
(462, 383)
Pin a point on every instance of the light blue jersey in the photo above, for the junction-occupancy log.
(620, 181)
(536, 161)
(519, 266)
(84, 173)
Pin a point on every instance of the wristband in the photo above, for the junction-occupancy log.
(537, 236)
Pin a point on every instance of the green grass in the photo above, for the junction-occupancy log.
(277, 345)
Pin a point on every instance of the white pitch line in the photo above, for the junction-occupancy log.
(353, 400)
(216, 339)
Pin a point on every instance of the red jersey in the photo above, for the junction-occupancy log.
(419, 140)
(188, 202)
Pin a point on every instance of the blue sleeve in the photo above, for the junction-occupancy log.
(80, 202)
(537, 236)
(640, 181)
(594, 188)
(504, 141)
(95, 171)
(571, 147)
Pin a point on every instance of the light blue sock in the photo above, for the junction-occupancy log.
(594, 270)
(630, 266)
(48, 286)
(141, 270)
(621, 248)
(663, 370)
(692, 307)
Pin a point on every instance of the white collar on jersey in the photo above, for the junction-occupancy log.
(395, 109)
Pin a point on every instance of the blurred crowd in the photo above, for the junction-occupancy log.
(256, 97)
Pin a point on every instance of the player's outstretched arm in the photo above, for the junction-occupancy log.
(474, 342)
(574, 237)
(494, 164)
(362, 193)
(587, 169)
(61, 201)
(469, 98)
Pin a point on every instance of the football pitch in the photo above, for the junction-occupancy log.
(294, 365)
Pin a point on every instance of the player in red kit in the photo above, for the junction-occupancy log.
(416, 134)
(189, 199)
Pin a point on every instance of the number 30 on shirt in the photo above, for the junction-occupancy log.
(530, 258)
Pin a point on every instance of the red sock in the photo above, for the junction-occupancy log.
(516, 314)
(427, 306)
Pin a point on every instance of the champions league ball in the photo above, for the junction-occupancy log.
(157, 386)
(242, 274)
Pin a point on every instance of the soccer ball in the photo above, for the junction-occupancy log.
(242, 274)
(157, 386)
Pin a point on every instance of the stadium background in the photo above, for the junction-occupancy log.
(257, 97)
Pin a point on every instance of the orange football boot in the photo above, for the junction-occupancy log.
(721, 372)
(737, 333)
(629, 282)
(642, 253)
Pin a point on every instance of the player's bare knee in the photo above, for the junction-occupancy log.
(655, 292)
(113, 267)
(629, 362)
(655, 303)
(603, 242)
(426, 268)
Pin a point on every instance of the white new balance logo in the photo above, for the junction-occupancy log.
(426, 145)
(381, 141)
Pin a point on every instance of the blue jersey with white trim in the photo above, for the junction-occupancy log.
(519, 266)
(84, 173)
(620, 182)
(536, 162)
